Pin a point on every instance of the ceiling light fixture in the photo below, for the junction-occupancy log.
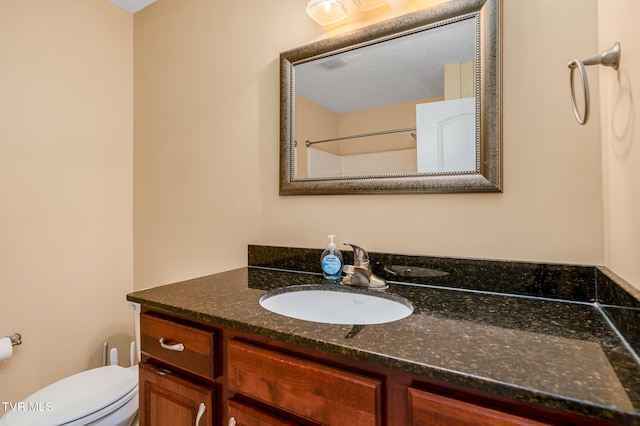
(327, 12)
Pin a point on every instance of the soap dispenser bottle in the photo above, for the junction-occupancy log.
(331, 261)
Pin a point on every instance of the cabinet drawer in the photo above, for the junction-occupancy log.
(431, 409)
(179, 345)
(241, 414)
(305, 388)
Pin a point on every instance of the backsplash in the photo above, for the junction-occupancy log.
(566, 282)
(576, 283)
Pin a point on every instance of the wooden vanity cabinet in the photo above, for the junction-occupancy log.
(249, 380)
(176, 377)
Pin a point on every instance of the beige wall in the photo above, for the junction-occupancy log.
(207, 92)
(620, 117)
(66, 129)
(206, 107)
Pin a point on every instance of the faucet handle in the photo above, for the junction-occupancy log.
(359, 274)
(360, 256)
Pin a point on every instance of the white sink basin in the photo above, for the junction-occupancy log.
(336, 305)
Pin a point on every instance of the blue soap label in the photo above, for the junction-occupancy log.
(331, 264)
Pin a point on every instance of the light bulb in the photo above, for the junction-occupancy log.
(326, 12)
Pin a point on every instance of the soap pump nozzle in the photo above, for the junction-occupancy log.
(332, 244)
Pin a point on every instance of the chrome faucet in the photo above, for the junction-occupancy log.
(359, 274)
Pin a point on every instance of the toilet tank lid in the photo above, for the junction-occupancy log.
(74, 397)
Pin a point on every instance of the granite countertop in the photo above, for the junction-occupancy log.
(559, 353)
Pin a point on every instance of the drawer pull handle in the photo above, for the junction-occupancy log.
(201, 411)
(232, 421)
(178, 347)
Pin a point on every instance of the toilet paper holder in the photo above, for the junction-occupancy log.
(16, 339)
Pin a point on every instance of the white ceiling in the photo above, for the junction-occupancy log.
(405, 69)
(132, 6)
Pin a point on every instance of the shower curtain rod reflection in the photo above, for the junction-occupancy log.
(363, 135)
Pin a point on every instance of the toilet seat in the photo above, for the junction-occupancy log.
(77, 400)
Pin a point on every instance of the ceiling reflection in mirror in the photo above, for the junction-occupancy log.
(398, 113)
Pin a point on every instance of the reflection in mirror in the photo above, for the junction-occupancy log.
(407, 105)
(419, 118)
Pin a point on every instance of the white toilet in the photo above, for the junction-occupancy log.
(105, 396)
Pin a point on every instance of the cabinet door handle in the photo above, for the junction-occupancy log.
(201, 411)
(178, 347)
(232, 421)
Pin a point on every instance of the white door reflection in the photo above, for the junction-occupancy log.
(446, 136)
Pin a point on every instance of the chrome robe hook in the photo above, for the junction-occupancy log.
(609, 58)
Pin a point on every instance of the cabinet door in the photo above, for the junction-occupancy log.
(241, 414)
(167, 399)
(431, 409)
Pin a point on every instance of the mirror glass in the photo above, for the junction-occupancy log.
(408, 105)
(348, 129)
